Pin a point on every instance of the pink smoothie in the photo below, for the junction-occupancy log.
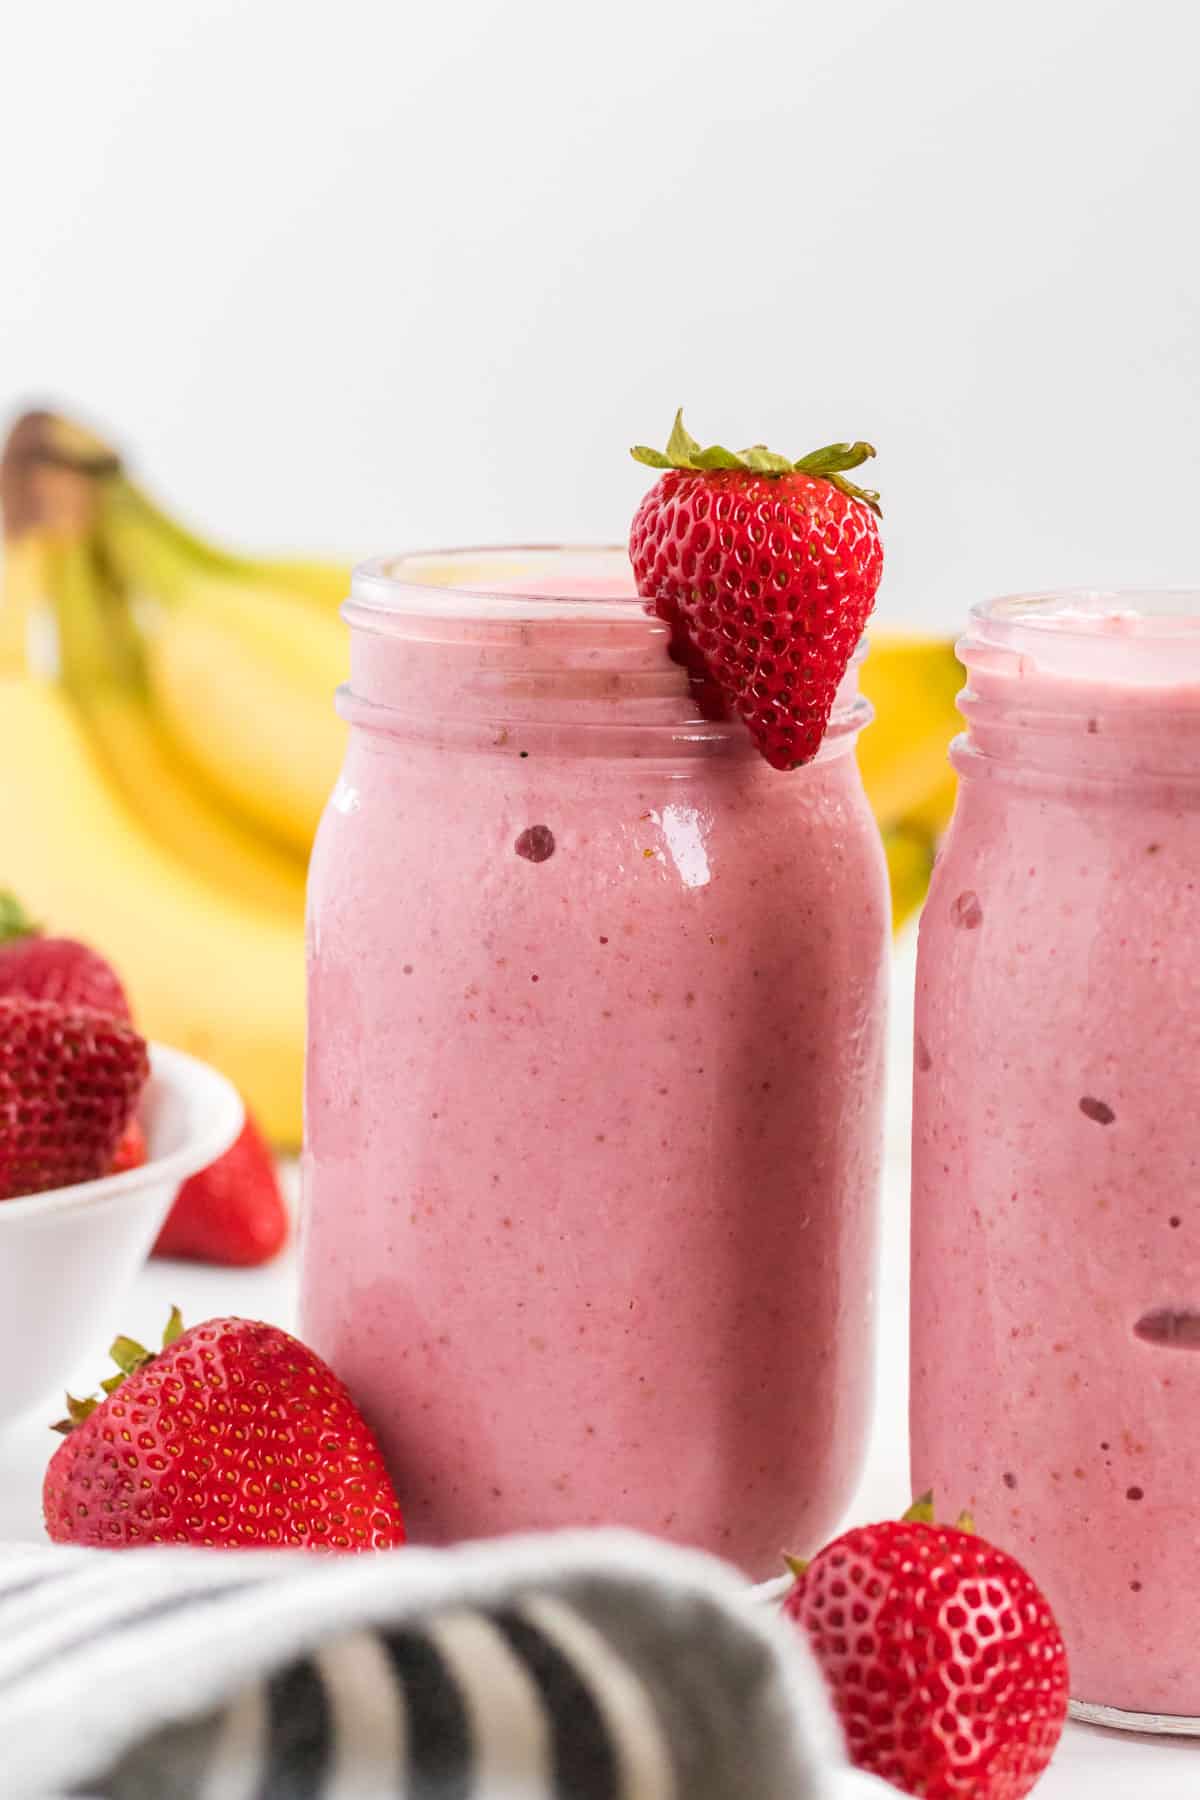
(1056, 1153)
(593, 1118)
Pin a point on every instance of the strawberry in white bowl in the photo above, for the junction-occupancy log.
(72, 1234)
(232, 1212)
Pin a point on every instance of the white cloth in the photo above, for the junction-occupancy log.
(581, 1666)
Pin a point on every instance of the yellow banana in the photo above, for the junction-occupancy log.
(326, 583)
(203, 972)
(910, 853)
(242, 670)
(912, 681)
(101, 672)
(105, 837)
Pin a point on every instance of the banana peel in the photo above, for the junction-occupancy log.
(913, 682)
(224, 645)
(153, 821)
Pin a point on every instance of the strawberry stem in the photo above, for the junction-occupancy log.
(77, 1412)
(14, 920)
(830, 463)
(129, 1356)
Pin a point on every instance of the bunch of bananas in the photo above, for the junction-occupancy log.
(171, 738)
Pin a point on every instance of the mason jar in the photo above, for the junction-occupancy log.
(596, 1033)
(1056, 1153)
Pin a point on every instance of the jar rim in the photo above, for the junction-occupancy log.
(540, 627)
(516, 582)
(1097, 615)
(1134, 641)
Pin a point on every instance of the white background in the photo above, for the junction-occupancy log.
(364, 275)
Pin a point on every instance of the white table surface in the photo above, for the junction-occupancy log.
(1101, 1765)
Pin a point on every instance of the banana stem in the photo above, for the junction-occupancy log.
(98, 645)
(151, 548)
(148, 552)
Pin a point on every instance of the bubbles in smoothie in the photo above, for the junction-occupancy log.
(1174, 1330)
(966, 912)
(535, 844)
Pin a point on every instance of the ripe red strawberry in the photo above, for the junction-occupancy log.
(69, 1081)
(59, 969)
(943, 1658)
(232, 1212)
(234, 1434)
(766, 570)
(131, 1151)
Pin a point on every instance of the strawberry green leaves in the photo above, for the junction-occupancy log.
(129, 1356)
(77, 1412)
(830, 463)
(684, 452)
(14, 920)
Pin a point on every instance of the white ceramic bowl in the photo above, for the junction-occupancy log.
(68, 1256)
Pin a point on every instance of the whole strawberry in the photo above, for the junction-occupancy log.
(766, 571)
(53, 968)
(232, 1212)
(943, 1658)
(234, 1434)
(69, 1081)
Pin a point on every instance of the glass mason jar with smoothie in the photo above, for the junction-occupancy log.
(1056, 1154)
(597, 1003)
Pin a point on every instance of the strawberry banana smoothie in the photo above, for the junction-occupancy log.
(596, 1029)
(1056, 1179)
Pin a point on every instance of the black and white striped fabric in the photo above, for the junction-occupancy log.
(590, 1666)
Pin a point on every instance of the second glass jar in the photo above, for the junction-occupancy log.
(1056, 1143)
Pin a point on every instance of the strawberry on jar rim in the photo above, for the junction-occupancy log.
(943, 1659)
(766, 570)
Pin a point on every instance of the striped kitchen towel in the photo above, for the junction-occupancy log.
(586, 1666)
